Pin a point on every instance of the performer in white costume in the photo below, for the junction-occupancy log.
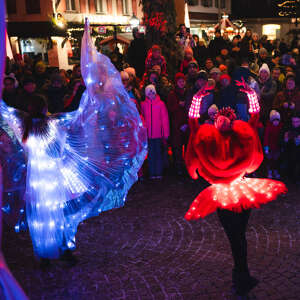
(9, 288)
(81, 163)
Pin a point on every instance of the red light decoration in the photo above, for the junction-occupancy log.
(157, 21)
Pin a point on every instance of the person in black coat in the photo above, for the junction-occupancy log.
(216, 44)
(137, 53)
(200, 51)
(9, 94)
(55, 94)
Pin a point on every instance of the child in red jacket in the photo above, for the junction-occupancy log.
(272, 144)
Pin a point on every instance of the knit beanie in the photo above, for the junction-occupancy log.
(178, 76)
(130, 71)
(150, 87)
(193, 62)
(223, 68)
(215, 70)
(225, 76)
(188, 50)
(262, 51)
(213, 109)
(265, 68)
(274, 115)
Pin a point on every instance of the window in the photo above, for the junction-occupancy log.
(192, 2)
(11, 6)
(70, 5)
(100, 6)
(206, 3)
(222, 2)
(126, 7)
(33, 6)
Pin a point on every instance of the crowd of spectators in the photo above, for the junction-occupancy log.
(271, 68)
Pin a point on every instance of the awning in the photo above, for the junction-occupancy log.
(34, 29)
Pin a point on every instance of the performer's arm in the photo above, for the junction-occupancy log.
(254, 107)
(194, 111)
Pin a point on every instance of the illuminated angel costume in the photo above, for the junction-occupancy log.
(223, 157)
(85, 162)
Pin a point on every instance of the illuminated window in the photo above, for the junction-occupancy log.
(271, 30)
(70, 5)
(126, 7)
(101, 6)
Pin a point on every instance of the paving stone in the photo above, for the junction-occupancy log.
(147, 250)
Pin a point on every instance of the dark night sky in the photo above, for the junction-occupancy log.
(254, 8)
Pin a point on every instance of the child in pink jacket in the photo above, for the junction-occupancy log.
(156, 118)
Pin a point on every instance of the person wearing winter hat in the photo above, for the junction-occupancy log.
(263, 58)
(264, 72)
(130, 71)
(268, 88)
(273, 132)
(223, 68)
(291, 149)
(156, 119)
(288, 100)
(178, 121)
(9, 92)
(188, 57)
(212, 112)
(201, 84)
(215, 73)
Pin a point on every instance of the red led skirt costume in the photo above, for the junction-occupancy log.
(222, 154)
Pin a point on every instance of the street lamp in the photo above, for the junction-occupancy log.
(134, 21)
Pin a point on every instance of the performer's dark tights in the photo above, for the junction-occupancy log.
(235, 225)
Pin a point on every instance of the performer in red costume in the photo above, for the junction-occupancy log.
(223, 154)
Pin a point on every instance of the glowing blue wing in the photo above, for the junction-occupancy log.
(13, 162)
(105, 142)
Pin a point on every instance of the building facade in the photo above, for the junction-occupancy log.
(265, 20)
(205, 14)
(40, 27)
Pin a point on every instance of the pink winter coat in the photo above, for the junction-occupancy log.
(156, 118)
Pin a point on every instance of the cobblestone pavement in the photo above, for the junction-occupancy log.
(147, 250)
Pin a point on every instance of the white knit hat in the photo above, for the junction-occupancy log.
(212, 109)
(265, 68)
(150, 87)
(274, 114)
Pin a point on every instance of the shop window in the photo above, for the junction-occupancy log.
(206, 3)
(126, 7)
(100, 6)
(11, 6)
(222, 3)
(271, 30)
(33, 6)
(71, 5)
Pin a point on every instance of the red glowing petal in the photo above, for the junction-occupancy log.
(240, 194)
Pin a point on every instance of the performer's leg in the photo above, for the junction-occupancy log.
(235, 225)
